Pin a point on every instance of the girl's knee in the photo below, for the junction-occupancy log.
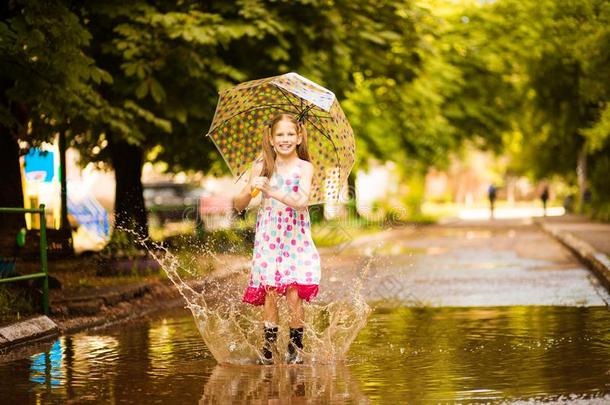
(293, 296)
(271, 297)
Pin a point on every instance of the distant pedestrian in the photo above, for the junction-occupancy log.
(491, 194)
(544, 197)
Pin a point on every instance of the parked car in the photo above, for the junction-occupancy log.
(216, 211)
(167, 201)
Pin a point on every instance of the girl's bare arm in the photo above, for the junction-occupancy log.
(241, 201)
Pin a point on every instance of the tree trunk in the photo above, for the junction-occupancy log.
(10, 183)
(351, 192)
(129, 208)
(63, 187)
(581, 172)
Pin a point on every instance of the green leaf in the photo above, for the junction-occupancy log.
(142, 90)
(157, 91)
(129, 68)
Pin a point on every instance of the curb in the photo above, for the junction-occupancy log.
(90, 302)
(596, 261)
(26, 332)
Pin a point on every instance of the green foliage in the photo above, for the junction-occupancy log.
(45, 71)
(572, 88)
(541, 69)
(414, 197)
(398, 117)
(316, 213)
(168, 61)
(598, 136)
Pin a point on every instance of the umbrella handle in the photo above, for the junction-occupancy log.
(254, 192)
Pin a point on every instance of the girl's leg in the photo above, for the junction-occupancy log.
(270, 328)
(270, 309)
(295, 304)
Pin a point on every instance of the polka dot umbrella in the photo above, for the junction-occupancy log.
(244, 110)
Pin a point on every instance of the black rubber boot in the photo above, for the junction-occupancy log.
(294, 346)
(270, 339)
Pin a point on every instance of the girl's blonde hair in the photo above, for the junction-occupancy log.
(269, 154)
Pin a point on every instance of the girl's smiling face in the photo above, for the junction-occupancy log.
(285, 138)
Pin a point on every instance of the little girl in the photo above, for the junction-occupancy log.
(285, 260)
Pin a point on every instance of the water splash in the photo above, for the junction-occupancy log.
(233, 330)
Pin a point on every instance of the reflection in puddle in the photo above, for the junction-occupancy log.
(284, 384)
(46, 366)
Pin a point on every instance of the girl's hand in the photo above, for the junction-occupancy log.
(262, 183)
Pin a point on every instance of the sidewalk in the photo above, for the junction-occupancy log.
(588, 240)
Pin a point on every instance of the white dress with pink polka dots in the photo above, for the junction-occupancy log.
(284, 253)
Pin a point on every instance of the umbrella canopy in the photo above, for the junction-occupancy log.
(244, 110)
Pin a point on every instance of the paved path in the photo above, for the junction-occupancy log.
(468, 263)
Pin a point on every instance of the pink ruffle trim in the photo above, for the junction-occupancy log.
(256, 295)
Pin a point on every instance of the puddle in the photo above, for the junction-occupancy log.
(512, 354)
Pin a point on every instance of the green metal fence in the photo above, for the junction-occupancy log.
(44, 273)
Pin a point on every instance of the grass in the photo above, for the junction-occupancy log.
(14, 304)
(80, 272)
(333, 232)
(239, 239)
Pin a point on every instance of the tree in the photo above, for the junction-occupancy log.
(567, 80)
(536, 85)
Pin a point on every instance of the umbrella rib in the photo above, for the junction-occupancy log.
(278, 106)
(318, 129)
(219, 149)
(326, 117)
(289, 100)
(301, 99)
